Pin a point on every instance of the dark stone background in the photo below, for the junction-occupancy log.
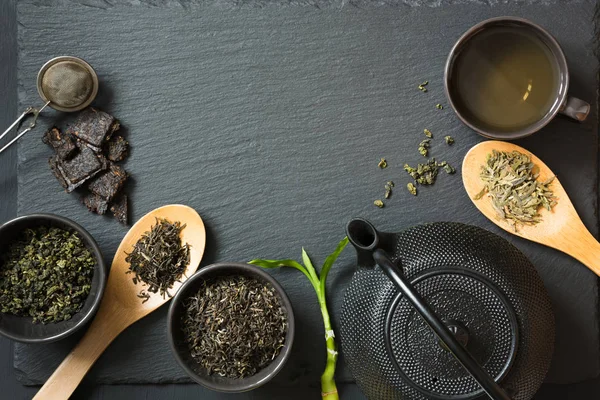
(271, 114)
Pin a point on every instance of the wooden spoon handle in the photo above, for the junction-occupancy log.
(106, 326)
(584, 247)
(574, 239)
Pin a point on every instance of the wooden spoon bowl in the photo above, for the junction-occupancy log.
(561, 228)
(121, 306)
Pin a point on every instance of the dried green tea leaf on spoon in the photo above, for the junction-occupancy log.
(511, 182)
(159, 258)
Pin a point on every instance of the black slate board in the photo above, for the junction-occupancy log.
(270, 122)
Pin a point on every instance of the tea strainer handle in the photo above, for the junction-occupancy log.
(28, 111)
(489, 385)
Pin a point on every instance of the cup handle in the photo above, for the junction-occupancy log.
(575, 108)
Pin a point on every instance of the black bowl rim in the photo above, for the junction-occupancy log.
(222, 267)
(100, 268)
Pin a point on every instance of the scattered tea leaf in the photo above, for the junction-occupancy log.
(439, 106)
(388, 189)
(449, 140)
(412, 188)
(382, 163)
(447, 167)
(510, 181)
(379, 203)
(427, 133)
(424, 174)
(422, 87)
(424, 147)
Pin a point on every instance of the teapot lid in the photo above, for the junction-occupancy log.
(478, 314)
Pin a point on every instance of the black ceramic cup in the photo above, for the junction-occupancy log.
(180, 349)
(22, 329)
(562, 103)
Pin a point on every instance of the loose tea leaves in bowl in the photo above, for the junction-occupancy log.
(159, 258)
(511, 182)
(46, 274)
(234, 326)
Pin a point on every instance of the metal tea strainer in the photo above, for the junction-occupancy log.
(64, 83)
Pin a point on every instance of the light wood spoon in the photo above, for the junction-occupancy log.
(560, 228)
(120, 306)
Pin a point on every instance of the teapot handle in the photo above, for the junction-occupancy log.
(465, 358)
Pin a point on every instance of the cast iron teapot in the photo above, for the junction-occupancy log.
(444, 311)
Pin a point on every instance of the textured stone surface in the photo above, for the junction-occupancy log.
(270, 123)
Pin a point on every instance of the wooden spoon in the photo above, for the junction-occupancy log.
(120, 306)
(560, 228)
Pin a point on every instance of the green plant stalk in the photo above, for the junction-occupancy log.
(328, 386)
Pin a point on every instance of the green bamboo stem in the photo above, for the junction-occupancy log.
(328, 386)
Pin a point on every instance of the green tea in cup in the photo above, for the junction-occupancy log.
(507, 78)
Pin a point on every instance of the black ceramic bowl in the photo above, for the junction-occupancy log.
(180, 349)
(23, 329)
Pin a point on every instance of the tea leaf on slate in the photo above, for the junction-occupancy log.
(411, 188)
(447, 167)
(424, 147)
(388, 189)
(424, 174)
